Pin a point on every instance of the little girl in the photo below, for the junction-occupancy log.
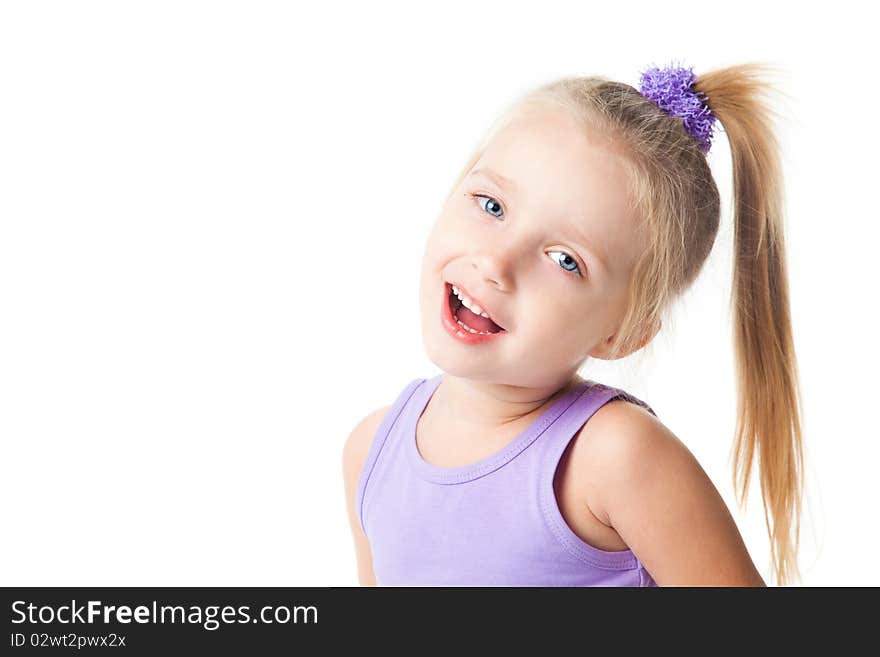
(584, 212)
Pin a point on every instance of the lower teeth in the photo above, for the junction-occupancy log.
(468, 328)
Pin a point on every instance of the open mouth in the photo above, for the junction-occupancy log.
(468, 320)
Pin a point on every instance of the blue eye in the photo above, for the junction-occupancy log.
(488, 198)
(568, 259)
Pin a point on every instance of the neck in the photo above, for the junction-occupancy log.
(475, 407)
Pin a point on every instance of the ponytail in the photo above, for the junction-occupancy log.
(768, 400)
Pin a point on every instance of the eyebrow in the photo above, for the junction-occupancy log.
(506, 183)
(502, 181)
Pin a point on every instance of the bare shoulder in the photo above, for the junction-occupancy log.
(357, 445)
(618, 430)
(354, 455)
(642, 480)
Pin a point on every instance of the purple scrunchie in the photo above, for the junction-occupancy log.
(670, 89)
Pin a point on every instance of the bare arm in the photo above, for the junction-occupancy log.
(354, 454)
(655, 495)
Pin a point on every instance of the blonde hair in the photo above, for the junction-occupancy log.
(674, 196)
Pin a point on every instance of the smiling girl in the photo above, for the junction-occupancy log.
(585, 212)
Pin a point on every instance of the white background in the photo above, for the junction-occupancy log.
(206, 207)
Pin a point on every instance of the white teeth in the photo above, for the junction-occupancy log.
(468, 328)
(469, 304)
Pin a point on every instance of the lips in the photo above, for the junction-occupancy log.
(487, 310)
(451, 326)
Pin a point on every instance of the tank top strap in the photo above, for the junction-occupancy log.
(602, 394)
(593, 396)
(379, 439)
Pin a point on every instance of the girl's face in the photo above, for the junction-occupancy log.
(539, 234)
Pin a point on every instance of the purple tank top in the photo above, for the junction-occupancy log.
(490, 523)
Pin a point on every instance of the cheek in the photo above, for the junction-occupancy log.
(449, 233)
(574, 319)
(430, 281)
(442, 246)
(432, 253)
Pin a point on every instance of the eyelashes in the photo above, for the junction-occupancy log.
(477, 198)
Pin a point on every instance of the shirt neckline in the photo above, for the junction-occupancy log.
(471, 471)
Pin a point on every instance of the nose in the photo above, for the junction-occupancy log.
(494, 267)
(498, 259)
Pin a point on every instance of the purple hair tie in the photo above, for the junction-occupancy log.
(670, 89)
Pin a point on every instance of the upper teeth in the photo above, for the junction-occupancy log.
(469, 304)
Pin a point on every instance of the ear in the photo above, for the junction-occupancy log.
(602, 350)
